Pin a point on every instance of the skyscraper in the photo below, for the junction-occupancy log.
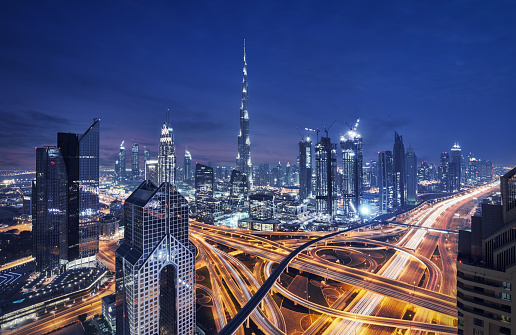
(135, 161)
(204, 179)
(122, 160)
(187, 168)
(444, 172)
(243, 160)
(411, 170)
(398, 173)
(456, 165)
(50, 208)
(238, 188)
(155, 264)
(151, 171)
(385, 181)
(81, 157)
(326, 170)
(305, 168)
(146, 154)
(167, 156)
(352, 172)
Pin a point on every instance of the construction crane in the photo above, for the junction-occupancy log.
(308, 130)
(328, 129)
(352, 130)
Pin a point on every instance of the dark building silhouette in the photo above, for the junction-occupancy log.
(81, 157)
(155, 264)
(66, 203)
(444, 172)
(398, 173)
(187, 167)
(204, 180)
(385, 181)
(49, 215)
(411, 172)
(455, 168)
(305, 168)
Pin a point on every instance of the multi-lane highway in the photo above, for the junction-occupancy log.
(394, 277)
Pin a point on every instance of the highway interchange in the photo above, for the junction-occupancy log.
(404, 293)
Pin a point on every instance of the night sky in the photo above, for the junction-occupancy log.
(434, 71)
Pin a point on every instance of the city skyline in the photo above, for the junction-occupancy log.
(434, 73)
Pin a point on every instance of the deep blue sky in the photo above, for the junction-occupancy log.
(435, 71)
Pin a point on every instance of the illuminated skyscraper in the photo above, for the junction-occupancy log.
(305, 168)
(238, 188)
(326, 170)
(135, 161)
(204, 180)
(411, 170)
(352, 172)
(187, 168)
(398, 173)
(80, 154)
(243, 160)
(456, 164)
(151, 171)
(444, 172)
(49, 215)
(167, 156)
(155, 264)
(385, 181)
(122, 160)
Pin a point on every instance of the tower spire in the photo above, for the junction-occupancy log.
(243, 161)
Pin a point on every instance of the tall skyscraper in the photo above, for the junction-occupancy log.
(411, 170)
(352, 172)
(305, 168)
(444, 172)
(155, 264)
(456, 163)
(326, 170)
(187, 168)
(385, 182)
(243, 160)
(398, 173)
(167, 156)
(135, 161)
(122, 160)
(81, 157)
(49, 215)
(204, 180)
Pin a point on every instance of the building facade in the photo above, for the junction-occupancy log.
(411, 171)
(352, 173)
(398, 172)
(385, 182)
(456, 165)
(305, 168)
(204, 186)
(486, 275)
(167, 166)
(50, 208)
(155, 265)
(135, 161)
(326, 172)
(81, 156)
(243, 160)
